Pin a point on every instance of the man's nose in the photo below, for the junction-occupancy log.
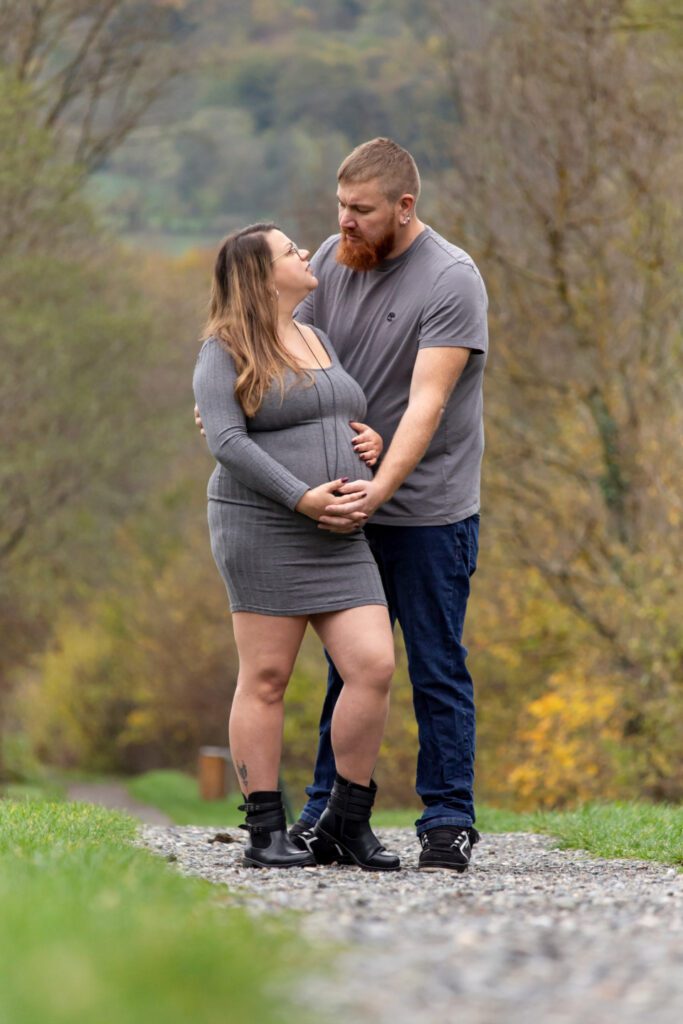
(304, 253)
(346, 220)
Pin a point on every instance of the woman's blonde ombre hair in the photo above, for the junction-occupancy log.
(243, 315)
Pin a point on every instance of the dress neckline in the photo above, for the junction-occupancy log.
(319, 367)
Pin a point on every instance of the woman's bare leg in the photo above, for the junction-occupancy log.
(267, 646)
(361, 644)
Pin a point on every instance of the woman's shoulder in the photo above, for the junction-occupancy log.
(215, 354)
(216, 347)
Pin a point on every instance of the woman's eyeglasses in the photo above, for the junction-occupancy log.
(289, 251)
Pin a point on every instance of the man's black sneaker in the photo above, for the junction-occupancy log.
(325, 851)
(448, 846)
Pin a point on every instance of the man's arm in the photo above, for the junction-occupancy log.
(435, 374)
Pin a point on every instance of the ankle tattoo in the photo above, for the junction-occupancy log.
(242, 772)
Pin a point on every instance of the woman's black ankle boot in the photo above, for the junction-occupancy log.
(345, 822)
(269, 846)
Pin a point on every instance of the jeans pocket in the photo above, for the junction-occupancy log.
(472, 543)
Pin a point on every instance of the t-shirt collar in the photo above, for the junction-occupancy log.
(391, 264)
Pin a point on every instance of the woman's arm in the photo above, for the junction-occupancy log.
(226, 432)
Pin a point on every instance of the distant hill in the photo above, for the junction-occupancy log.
(281, 91)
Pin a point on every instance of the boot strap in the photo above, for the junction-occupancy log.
(354, 806)
(268, 821)
(348, 814)
(251, 808)
(256, 830)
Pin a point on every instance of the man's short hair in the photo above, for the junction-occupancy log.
(385, 160)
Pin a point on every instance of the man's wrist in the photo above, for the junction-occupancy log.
(382, 491)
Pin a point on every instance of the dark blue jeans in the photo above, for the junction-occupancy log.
(426, 574)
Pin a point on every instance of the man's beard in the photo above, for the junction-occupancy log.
(364, 255)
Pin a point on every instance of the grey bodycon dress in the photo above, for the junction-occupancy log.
(274, 560)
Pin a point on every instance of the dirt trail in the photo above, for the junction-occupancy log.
(117, 797)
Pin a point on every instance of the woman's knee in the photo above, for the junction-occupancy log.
(266, 682)
(375, 671)
(385, 670)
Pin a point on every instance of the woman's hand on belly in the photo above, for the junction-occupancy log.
(314, 502)
(367, 443)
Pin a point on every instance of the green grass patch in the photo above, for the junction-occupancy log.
(177, 794)
(489, 819)
(93, 929)
(47, 790)
(637, 830)
(395, 818)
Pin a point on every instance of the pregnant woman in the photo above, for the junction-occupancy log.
(279, 415)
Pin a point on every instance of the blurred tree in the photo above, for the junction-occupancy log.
(145, 675)
(267, 75)
(84, 385)
(571, 199)
(95, 68)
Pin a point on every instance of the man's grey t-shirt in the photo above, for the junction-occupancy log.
(432, 295)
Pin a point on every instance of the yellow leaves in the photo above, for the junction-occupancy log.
(565, 747)
(139, 724)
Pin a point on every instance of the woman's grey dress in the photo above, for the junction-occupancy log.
(274, 560)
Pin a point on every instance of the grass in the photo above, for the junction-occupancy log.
(93, 929)
(177, 794)
(635, 830)
(43, 790)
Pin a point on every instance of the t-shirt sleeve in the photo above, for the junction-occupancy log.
(226, 430)
(455, 312)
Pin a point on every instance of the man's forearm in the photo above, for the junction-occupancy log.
(411, 440)
(436, 373)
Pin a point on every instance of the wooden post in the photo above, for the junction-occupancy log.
(213, 771)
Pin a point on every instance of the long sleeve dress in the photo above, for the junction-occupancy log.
(275, 560)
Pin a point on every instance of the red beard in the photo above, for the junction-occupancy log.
(364, 255)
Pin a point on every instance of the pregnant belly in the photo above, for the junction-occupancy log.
(315, 455)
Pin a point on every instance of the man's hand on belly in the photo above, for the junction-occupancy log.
(318, 500)
(343, 515)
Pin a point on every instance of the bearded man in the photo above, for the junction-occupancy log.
(406, 312)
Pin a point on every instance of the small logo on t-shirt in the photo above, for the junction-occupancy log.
(391, 316)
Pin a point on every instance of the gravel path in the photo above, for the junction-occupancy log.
(530, 933)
